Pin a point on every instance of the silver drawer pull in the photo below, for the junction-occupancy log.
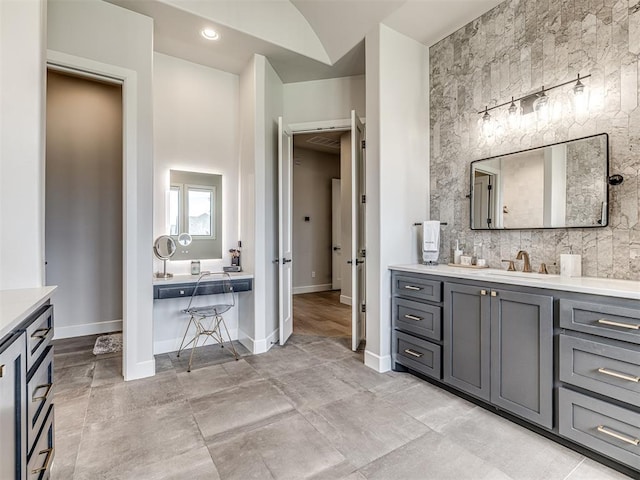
(623, 376)
(41, 333)
(48, 387)
(413, 353)
(411, 287)
(631, 326)
(619, 436)
(47, 461)
(413, 317)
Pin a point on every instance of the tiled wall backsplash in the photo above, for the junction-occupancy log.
(514, 50)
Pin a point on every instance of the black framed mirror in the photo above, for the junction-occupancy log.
(563, 185)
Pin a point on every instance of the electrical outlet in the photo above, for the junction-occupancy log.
(313, 274)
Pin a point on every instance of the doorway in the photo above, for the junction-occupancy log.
(352, 177)
(319, 161)
(84, 202)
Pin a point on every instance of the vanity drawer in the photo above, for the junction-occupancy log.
(420, 355)
(419, 318)
(601, 426)
(39, 397)
(595, 365)
(205, 288)
(39, 336)
(418, 287)
(620, 323)
(41, 459)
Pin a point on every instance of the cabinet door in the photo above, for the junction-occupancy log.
(13, 383)
(522, 354)
(466, 339)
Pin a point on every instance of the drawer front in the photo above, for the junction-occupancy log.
(418, 318)
(417, 287)
(39, 336)
(39, 398)
(41, 459)
(595, 365)
(611, 321)
(601, 426)
(205, 288)
(420, 355)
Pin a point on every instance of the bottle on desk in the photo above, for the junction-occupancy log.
(195, 267)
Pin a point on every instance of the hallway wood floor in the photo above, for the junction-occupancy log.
(321, 314)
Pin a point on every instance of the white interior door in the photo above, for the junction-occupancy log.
(358, 249)
(285, 182)
(336, 235)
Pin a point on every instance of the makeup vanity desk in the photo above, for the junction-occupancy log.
(183, 285)
(171, 296)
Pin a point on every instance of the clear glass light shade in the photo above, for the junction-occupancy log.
(541, 107)
(515, 115)
(580, 97)
(487, 124)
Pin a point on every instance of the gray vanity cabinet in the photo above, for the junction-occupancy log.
(467, 337)
(522, 354)
(498, 346)
(13, 415)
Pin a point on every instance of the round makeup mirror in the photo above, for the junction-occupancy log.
(164, 247)
(184, 239)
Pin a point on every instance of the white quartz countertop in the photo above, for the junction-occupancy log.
(17, 305)
(597, 286)
(186, 278)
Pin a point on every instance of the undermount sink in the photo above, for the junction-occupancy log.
(527, 275)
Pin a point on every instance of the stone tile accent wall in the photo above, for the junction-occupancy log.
(513, 50)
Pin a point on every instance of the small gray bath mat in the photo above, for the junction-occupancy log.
(111, 343)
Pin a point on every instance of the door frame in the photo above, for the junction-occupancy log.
(337, 125)
(132, 275)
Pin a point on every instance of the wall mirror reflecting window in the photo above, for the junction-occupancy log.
(195, 207)
(563, 185)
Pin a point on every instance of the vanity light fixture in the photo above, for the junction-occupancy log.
(210, 34)
(537, 102)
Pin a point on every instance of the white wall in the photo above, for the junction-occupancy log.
(312, 240)
(247, 200)
(110, 38)
(22, 81)
(397, 191)
(274, 107)
(320, 100)
(261, 104)
(195, 128)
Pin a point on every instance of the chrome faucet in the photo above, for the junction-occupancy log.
(522, 255)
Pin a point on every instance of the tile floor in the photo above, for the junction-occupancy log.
(307, 410)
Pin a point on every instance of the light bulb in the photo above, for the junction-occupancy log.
(580, 97)
(541, 106)
(210, 34)
(487, 124)
(514, 115)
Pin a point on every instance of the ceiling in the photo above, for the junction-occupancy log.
(303, 39)
(327, 142)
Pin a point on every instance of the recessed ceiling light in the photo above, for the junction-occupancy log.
(210, 34)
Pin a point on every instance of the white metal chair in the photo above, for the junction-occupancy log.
(207, 319)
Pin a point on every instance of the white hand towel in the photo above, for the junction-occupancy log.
(430, 241)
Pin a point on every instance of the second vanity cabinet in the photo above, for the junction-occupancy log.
(560, 355)
(498, 346)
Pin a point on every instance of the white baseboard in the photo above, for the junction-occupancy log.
(246, 341)
(141, 370)
(344, 299)
(70, 331)
(312, 288)
(173, 344)
(264, 345)
(376, 362)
